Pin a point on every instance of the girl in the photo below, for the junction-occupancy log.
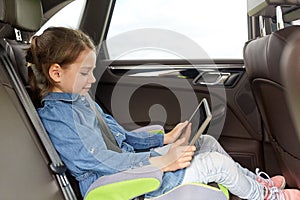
(63, 61)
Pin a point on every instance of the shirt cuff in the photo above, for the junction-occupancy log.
(141, 160)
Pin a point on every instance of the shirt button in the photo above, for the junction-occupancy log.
(141, 164)
(92, 150)
(118, 134)
(82, 98)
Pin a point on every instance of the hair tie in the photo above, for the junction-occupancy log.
(29, 56)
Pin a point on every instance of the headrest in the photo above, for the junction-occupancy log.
(22, 14)
(262, 56)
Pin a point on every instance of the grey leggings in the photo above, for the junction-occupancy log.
(212, 164)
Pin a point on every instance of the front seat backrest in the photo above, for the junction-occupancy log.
(262, 58)
(290, 63)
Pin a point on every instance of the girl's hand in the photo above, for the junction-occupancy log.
(178, 157)
(187, 133)
(173, 135)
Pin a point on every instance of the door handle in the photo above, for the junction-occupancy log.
(211, 78)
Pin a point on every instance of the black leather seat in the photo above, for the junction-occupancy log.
(262, 58)
(28, 21)
(291, 76)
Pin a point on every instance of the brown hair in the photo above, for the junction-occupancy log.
(55, 45)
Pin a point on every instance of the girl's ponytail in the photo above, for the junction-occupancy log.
(33, 72)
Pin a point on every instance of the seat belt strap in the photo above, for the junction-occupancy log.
(107, 135)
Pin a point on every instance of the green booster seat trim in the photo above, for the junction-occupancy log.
(124, 190)
(126, 185)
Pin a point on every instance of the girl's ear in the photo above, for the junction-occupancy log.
(55, 72)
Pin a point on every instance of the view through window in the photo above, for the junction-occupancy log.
(218, 27)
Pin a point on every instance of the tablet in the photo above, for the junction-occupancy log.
(200, 120)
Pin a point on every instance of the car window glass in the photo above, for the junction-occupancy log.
(69, 16)
(218, 27)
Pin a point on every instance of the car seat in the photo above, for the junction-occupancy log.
(25, 15)
(262, 58)
(291, 72)
(135, 182)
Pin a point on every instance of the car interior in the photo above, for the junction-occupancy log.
(254, 102)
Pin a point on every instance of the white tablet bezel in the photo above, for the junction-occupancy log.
(205, 122)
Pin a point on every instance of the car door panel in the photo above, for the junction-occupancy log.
(139, 94)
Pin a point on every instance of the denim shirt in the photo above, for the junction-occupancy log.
(73, 129)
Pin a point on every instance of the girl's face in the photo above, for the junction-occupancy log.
(77, 77)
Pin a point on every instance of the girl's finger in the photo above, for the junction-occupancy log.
(179, 142)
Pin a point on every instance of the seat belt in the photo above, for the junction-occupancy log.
(56, 165)
(107, 135)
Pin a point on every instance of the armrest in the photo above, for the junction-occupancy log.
(125, 185)
(151, 129)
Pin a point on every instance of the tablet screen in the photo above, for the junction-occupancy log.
(199, 119)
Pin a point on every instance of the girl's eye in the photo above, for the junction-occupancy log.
(84, 74)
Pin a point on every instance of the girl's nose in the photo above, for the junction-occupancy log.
(92, 78)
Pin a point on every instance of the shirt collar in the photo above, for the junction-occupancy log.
(61, 96)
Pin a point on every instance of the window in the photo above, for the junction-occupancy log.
(69, 16)
(175, 29)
